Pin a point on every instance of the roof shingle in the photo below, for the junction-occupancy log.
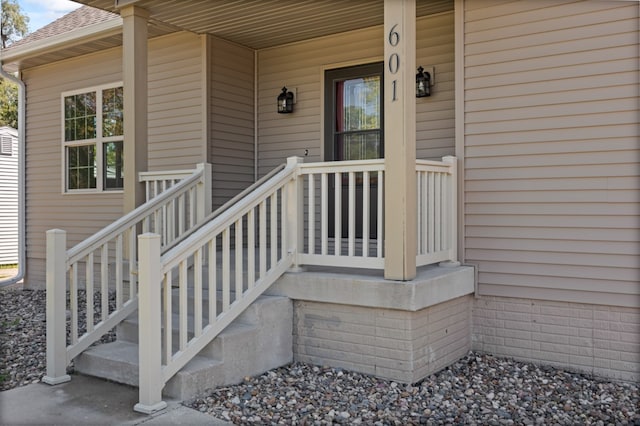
(79, 18)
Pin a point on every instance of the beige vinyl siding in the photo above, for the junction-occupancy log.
(9, 198)
(301, 65)
(231, 145)
(46, 205)
(176, 139)
(552, 202)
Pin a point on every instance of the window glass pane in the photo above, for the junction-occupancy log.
(113, 165)
(80, 116)
(112, 116)
(81, 169)
(358, 145)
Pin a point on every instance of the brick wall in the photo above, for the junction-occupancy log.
(405, 346)
(597, 339)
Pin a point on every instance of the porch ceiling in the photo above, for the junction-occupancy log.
(259, 24)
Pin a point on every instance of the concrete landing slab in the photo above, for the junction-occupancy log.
(87, 400)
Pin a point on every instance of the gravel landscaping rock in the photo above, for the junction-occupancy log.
(23, 334)
(478, 389)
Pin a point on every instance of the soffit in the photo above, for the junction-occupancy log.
(259, 24)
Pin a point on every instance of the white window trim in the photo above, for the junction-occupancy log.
(99, 141)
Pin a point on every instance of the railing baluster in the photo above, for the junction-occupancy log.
(238, 266)
(183, 302)
(119, 271)
(226, 276)
(197, 292)
(133, 277)
(168, 318)
(311, 222)
(213, 290)
(425, 205)
(324, 215)
(438, 224)
(380, 235)
(104, 277)
(274, 228)
(263, 237)
(337, 231)
(352, 214)
(366, 213)
(182, 217)
(89, 291)
(283, 225)
(430, 213)
(73, 302)
(192, 209)
(251, 248)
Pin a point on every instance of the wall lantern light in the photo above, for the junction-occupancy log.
(285, 102)
(423, 83)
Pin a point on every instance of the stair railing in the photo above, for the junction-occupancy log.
(107, 261)
(238, 255)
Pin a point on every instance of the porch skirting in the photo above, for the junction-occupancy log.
(402, 331)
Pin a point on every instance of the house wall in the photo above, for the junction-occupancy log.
(552, 212)
(301, 66)
(175, 137)
(231, 141)
(551, 144)
(9, 199)
(176, 113)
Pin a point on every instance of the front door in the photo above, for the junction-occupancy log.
(354, 131)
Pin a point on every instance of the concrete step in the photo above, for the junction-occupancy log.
(258, 340)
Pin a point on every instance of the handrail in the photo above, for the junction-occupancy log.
(272, 202)
(126, 221)
(225, 218)
(225, 206)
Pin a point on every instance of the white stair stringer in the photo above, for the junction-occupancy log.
(260, 339)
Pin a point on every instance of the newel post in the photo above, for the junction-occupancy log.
(295, 210)
(452, 211)
(149, 330)
(203, 192)
(56, 308)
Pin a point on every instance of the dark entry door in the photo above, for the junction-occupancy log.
(354, 130)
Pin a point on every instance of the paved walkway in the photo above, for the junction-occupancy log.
(87, 400)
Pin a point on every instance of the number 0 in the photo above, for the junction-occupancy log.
(394, 63)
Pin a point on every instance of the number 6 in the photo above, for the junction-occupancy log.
(394, 37)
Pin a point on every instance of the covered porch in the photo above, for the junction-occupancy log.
(374, 238)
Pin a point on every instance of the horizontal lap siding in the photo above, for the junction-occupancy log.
(176, 139)
(46, 206)
(9, 203)
(552, 202)
(301, 65)
(231, 145)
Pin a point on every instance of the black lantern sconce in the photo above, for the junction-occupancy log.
(285, 102)
(423, 83)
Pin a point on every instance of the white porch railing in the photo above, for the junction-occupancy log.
(107, 261)
(437, 214)
(242, 251)
(238, 254)
(329, 214)
(157, 182)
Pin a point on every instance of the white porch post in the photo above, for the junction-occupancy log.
(134, 78)
(400, 139)
(294, 226)
(56, 308)
(203, 207)
(149, 329)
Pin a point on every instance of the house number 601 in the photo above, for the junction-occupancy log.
(394, 60)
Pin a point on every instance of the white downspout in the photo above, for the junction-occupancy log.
(21, 177)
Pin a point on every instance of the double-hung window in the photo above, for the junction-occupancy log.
(92, 139)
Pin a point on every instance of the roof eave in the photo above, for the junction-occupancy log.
(12, 58)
